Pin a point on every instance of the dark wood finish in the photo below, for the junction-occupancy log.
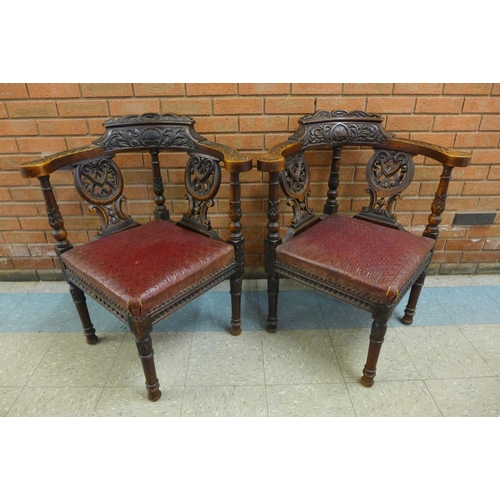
(99, 182)
(355, 280)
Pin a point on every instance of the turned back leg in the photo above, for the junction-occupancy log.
(81, 306)
(272, 297)
(413, 299)
(236, 284)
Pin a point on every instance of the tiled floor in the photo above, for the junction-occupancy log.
(446, 364)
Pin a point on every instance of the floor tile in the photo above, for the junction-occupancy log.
(486, 341)
(339, 314)
(468, 306)
(102, 319)
(406, 398)
(449, 281)
(55, 402)
(311, 400)
(133, 402)
(297, 310)
(473, 397)
(171, 355)
(7, 397)
(285, 284)
(214, 313)
(224, 401)
(39, 312)
(17, 286)
(20, 354)
(219, 358)
(71, 362)
(9, 302)
(300, 357)
(182, 320)
(351, 348)
(442, 352)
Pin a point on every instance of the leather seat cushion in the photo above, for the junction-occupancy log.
(143, 267)
(370, 259)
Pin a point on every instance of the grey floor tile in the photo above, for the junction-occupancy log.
(351, 347)
(300, 357)
(430, 311)
(171, 355)
(311, 400)
(214, 313)
(297, 310)
(17, 286)
(406, 398)
(468, 305)
(71, 362)
(7, 397)
(182, 320)
(486, 341)
(224, 401)
(55, 402)
(20, 354)
(51, 287)
(474, 397)
(340, 314)
(133, 402)
(39, 312)
(486, 279)
(442, 352)
(449, 280)
(219, 358)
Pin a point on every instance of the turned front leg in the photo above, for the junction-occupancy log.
(81, 306)
(379, 327)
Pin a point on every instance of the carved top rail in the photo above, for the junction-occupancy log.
(150, 131)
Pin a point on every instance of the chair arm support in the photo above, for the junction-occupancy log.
(274, 160)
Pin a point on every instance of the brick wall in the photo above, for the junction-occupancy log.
(40, 119)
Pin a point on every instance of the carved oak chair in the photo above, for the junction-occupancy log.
(142, 273)
(368, 260)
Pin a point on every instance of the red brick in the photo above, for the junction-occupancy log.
(335, 102)
(437, 105)
(494, 172)
(3, 110)
(457, 122)
(484, 231)
(482, 105)
(106, 89)
(464, 244)
(263, 123)
(211, 88)
(384, 105)
(243, 141)
(33, 263)
(133, 107)
(17, 210)
(18, 127)
(472, 172)
(289, 105)
(82, 108)
(440, 139)
(25, 237)
(409, 123)
(418, 88)
(158, 89)
(496, 89)
(217, 124)
(482, 188)
(467, 88)
(490, 256)
(447, 257)
(62, 127)
(490, 122)
(8, 146)
(53, 90)
(26, 194)
(367, 88)
(14, 251)
(486, 156)
(492, 244)
(238, 106)
(479, 140)
(9, 224)
(188, 107)
(272, 140)
(13, 91)
(41, 145)
(316, 88)
(31, 109)
(263, 88)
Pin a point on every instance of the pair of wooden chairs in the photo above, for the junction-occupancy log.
(142, 273)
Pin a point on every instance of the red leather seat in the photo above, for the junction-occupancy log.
(370, 260)
(144, 267)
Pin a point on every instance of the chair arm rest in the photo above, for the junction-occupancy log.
(274, 160)
(234, 162)
(49, 164)
(446, 156)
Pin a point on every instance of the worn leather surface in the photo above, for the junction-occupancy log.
(356, 254)
(143, 267)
